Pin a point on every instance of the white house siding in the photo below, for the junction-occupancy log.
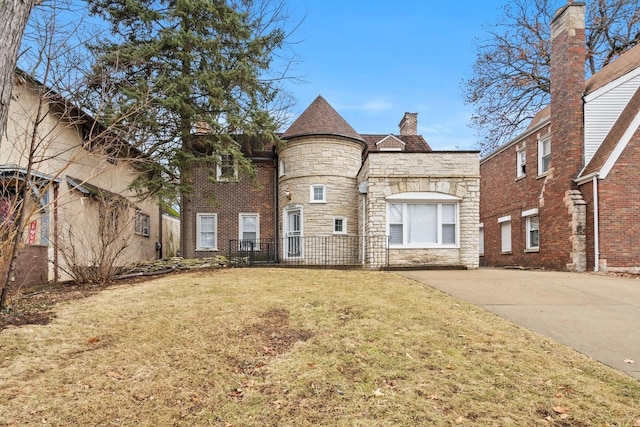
(452, 173)
(602, 109)
(61, 154)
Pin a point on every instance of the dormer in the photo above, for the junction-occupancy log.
(390, 143)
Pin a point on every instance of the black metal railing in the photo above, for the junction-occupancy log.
(324, 251)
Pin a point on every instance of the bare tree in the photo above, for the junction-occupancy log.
(510, 76)
(49, 134)
(15, 14)
(96, 256)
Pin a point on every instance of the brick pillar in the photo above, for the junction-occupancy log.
(563, 215)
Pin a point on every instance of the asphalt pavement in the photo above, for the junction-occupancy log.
(595, 314)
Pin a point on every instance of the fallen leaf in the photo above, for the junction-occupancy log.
(564, 416)
(561, 409)
(377, 393)
(629, 361)
(637, 423)
(459, 420)
(94, 340)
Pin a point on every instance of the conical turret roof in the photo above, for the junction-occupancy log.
(321, 119)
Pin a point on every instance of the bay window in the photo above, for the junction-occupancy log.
(423, 221)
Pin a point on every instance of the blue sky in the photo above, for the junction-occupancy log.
(372, 60)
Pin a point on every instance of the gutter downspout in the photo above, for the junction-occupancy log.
(596, 231)
(160, 242)
(276, 213)
(364, 205)
(56, 242)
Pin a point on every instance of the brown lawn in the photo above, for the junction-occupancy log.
(287, 347)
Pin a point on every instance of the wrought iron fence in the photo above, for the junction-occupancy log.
(324, 251)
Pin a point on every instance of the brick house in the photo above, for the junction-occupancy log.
(329, 195)
(74, 177)
(563, 194)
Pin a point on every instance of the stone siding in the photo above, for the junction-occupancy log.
(452, 173)
(331, 161)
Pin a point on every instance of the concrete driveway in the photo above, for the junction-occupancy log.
(597, 315)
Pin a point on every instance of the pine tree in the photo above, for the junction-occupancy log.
(195, 64)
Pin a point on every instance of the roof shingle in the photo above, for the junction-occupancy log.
(321, 119)
(626, 63)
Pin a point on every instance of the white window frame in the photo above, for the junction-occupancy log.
(521, 162)
(199, 245)
(142, 224)
(544, 141)
(241, 217)
(529, 215)
(505, 234)
(219, 168)
(426, 198)
(312, 193)
(481, 239)
(343, 220)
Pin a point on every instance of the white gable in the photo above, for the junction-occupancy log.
(603, 107)
(390, 143)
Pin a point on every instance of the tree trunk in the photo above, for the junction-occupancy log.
(15, 14)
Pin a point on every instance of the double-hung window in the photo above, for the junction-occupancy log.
(521, 163)
(141, 224)
(227, 169)
(339, 225)
(206, 232)
(532, 227)
(249, 230)
(318, 193)
(420, 220)
(544, 154)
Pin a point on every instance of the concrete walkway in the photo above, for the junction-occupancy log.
(597, 315)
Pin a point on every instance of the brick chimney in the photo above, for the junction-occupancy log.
(567, 88)
(563, 217)
(409, 124)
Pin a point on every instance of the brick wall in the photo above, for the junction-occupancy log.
(504, 194)
(619, 213)
(228, 199)
(561, 208)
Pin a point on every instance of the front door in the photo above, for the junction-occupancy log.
(293, 234)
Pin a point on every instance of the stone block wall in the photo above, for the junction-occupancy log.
(452, 173)
(330, 161)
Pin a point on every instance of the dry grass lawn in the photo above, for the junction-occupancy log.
(285, 347)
